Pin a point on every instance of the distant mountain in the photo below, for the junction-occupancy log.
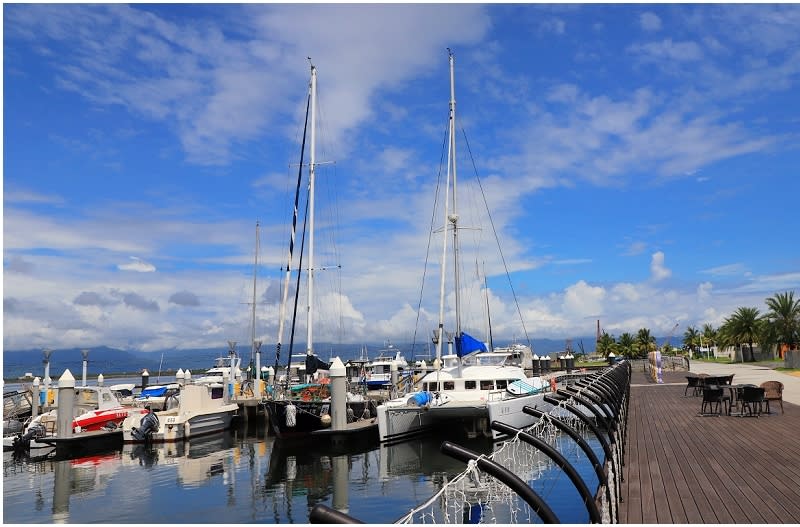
(103, 359)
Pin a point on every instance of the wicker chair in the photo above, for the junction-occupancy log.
(716, 400)
(694, 384)
(751, 399)
(773, 391)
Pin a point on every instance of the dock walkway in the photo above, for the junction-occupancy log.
(681, 467)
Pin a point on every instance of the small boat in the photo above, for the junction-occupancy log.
(96, 408)
(202, 409)
(378, 372)
(221, 368)
(159, 397)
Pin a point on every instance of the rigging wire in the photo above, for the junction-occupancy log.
(430, 237)
(496, 237)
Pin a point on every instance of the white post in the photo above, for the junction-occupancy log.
(257, 387)
(393, 370)
(47, 379)
(66, 404)
(100, 380)
(338, 375)
(179, 376)
(85, 354)
(35, 398)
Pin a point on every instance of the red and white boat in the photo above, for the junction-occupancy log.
(95, 408)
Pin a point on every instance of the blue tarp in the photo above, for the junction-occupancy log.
(466, 344)
(156, 391)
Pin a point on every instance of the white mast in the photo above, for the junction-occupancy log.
(309, 334)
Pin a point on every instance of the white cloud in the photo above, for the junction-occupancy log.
(582, 299)
(138, 265)
(650, 21)
(658, 271)
(667, 49)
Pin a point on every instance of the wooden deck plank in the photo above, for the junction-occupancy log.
(681, 467)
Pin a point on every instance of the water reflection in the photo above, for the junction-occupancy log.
(240, 476)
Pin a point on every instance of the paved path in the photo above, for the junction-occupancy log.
(753, 373)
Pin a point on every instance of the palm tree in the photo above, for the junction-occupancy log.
(645, 342)
(784, 319)
(745, 326)
(626, 344)
(691, 337)
(606, 345)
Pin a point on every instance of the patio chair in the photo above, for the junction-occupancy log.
(694, 384)
(715, 398)
(751, 398)
(773, 391)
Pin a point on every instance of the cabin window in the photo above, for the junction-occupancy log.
(501, 383)
(449, 385)
(216, 393)
(487, 385)
(470, 385)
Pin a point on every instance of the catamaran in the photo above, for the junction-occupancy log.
(471, 387)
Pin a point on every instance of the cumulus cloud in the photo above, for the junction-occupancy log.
(184, 298)
(658, 271)
(138, 265)
(668, 49)
(582, 299)
(137, 301)
(90, 298)
(16, 264)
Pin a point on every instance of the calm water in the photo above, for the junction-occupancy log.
(242, 476)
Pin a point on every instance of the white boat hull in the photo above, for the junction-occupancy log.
(398, 421)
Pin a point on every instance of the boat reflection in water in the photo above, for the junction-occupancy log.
(238, 476)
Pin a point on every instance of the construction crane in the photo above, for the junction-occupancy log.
(669, 336)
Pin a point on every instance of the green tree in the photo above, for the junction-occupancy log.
(645, 342)
(784, 320)
(691, 338)
(606, 345)
(626, 344)
(709, 335)
(745, 326)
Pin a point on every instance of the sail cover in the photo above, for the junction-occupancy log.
(466, 344)
(313, 363)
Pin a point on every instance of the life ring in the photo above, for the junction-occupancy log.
(553, 384)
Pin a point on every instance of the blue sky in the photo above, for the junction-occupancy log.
(640, 163)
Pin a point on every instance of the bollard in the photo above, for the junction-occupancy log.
(338, 375)
(145, 378)
(100, 380)
(179, 377)
(66, 404)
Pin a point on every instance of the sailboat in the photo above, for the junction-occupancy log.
(301, 409)
(471, 387)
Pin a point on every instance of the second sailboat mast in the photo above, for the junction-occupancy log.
(310, 320)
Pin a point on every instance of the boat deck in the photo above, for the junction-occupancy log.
(681, 467)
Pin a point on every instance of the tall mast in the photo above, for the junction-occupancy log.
(253, 321)
(310, 320)
(454, 216)
(440, 330)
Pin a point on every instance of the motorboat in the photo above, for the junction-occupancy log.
(95, 408)
(378, 372)
(222, 368)
(158, 397)
(202, 409)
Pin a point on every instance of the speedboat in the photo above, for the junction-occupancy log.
(96, 408)
(222, 368)
(202, 409)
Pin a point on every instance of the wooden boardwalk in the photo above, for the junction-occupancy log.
(681, 467)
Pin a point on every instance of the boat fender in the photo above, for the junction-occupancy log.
(553, 385)
(421, 398)
(291, 415)
(351, 415)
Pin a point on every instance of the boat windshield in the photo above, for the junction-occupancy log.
(486, 359)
